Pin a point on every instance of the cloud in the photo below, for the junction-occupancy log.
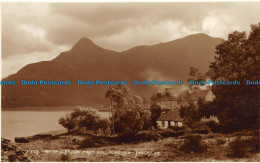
(12, 64)
(104, 21)
(41, 28)
(219, 22)
(21, 31)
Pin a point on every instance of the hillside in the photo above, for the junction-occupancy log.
(88, 61)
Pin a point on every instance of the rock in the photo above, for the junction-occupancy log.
(55, 137)
(9, 152)
(4, 158)
(79, 159)
(20, 153)
(42, 136)
(3, 140)
(18, 158)
(6, 146)
(12, 158)
(25, 159)
(21, 140)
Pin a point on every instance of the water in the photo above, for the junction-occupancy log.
(28, 123)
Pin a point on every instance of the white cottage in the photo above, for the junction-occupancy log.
(169, 118)
(171, 105)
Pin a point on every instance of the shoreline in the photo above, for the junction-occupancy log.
(52, 108)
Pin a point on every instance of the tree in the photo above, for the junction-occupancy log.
(156, 112)
(238, 60)
(130, 116)
(67, 122)
(88, 119)
(189, 113)
(122, 97)
(131, 120)
(195, 74)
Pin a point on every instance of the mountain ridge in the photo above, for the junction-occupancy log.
(88, 61)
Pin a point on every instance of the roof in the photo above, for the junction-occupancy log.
(170, 116)
(198, 94)
(169, 98)
(186, 95)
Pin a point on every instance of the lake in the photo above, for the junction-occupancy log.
(27, 123)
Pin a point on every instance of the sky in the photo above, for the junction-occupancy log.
(33, 32)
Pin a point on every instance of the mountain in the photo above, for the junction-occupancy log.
(87, 61)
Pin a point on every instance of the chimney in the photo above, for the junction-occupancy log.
(159, 94)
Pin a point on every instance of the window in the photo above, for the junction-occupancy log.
(175, 123)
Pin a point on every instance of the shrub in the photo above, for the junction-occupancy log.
(167, 133)
(183, 132)
(65, 158)
(85, 119)
(148, 136)
(253, 143)
(91, 142)
(237, 148)
(220, 141)
(200, 128)
(251, 132)
(211, 119)
(193, 143)
(133, 118)
(176, 128)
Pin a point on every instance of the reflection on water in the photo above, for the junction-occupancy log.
(28, 123)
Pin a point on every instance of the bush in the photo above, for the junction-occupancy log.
(254, 144)
(220, 141)
(200, 128)
(65, 158)
(91, 142)
(148, 136)
(167, 133)
(193, 143)
(251, 132)
(85, 119)
(237, 148)
(211, 119)
(143, 136)
(176, 128)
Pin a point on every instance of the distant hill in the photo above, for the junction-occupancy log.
(87, 61)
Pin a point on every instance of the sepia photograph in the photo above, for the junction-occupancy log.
(151, 81)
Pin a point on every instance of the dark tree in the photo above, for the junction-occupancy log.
(195, 74)
(238, 60)
(156, 112)
(85, 118)
(189, 113)
(130, 114)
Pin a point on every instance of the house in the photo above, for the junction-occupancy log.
(171, 105)
(169, 118)
(195, 93)
(170, 110)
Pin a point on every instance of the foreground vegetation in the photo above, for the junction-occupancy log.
(188, 147)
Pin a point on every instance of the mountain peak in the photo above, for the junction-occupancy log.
(197, 35)
(84, 44)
